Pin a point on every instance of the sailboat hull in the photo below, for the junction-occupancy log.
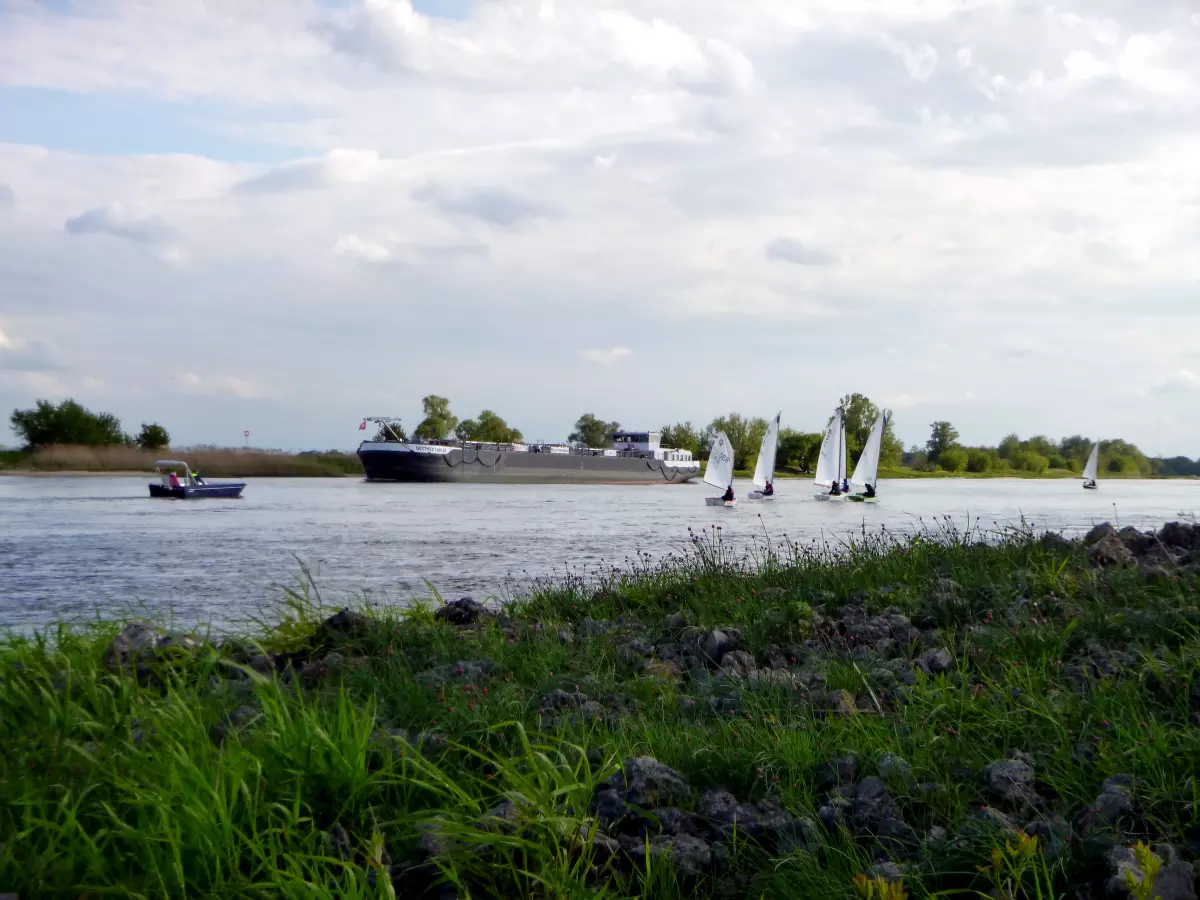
(859, 498)
(759, 495)
(1091, 487)
(720, 501)
(830, 498)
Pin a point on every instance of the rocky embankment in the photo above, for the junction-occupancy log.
(964, 720)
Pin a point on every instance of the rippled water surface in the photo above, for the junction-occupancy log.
(72, 545)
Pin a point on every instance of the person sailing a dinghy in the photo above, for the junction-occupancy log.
(728, 497)
(845, 485)
(768, 490)
(870, 491)
(836, 490)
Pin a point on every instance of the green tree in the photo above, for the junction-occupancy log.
(979, 459)
(745, 436)
(439, 423)
(65, 423)
(798, 450)
(1076, 450)
(953, 459)
(1041, 445)
(489, 428)
(681, 436)
(859, 414)
(593, 432)
(942, 437)
(1009, 446)
(153, 437)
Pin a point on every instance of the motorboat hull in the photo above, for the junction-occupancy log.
(229, 490)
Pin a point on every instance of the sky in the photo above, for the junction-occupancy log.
(286, 215)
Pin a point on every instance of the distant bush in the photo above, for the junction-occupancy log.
(1123, 465)
(153, 437)
(1058, 461)
(1027, 461)
(65, 423)
(953, 459)
(978, 460)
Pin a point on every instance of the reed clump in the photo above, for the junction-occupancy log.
(948, 715)
(209, 461)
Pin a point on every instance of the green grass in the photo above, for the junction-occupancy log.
(115, 785)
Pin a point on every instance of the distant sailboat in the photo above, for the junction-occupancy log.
(719, 471)
(866, 473)
(831, 462)
(764, 469)
(1089, 471)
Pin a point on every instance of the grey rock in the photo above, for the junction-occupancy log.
(738, 664)
(566, 636)
(935, 661)
(634, 650)
(1098, 533)
(841, 703)
(843, 770)
(462, 612)
(1054, 834)
(345, 622)
(1109, 551)
(891, 766)
(263, 663)
(609, 806)
(888, 871)
(559, 699)
(590, 628)
(691, 856)
(670, 821)
(1176, 879)
(775, 678)
(873, 805)
(766, 821)
(716, 644)
(676, 621)
(604, 848)
(339, 842)
(471, 671)
(937, 834)
(139, 645)
(897, 836)
(831, 817)
(1115, 800)
(647, 783)
(1010, 779)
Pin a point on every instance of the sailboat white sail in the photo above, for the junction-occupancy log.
(867, 471)
(719, 471)
(829, 469)
(764, 469)
(1093, 463)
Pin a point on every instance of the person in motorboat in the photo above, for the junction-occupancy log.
(199, 480)
(870, 491)
(769, 490)
(728, 497)
(174, 479)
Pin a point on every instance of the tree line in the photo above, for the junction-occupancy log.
(798, 450)
(70, 423)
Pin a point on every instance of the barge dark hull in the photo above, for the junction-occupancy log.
(506, 467)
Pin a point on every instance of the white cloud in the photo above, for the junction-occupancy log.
(241, 388)
(6, 343)
(119, 221)
(1181, 382)
(924, 178)
(606, 357)
(790, 250)
(356, 248)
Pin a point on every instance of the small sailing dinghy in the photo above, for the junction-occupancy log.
(719, 471)
(1089, 471)
(764, 469)
(831, 462)
(866, 473)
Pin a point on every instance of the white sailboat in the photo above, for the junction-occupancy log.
(866, 473)
(1089, 471)
(719, 470)
(764, 469)
(831, 462)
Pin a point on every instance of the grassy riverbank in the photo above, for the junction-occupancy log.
(940, 713)
(209, 461)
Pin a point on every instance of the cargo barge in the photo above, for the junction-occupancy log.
(636, 457)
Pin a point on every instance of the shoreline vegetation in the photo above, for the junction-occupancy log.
(69, 438)
(948, 715)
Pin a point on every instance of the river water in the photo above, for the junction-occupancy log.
(74, 546)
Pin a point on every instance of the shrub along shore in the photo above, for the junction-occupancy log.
(209, 461)
(940, 716)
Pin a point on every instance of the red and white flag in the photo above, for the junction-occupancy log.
(363, 426)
